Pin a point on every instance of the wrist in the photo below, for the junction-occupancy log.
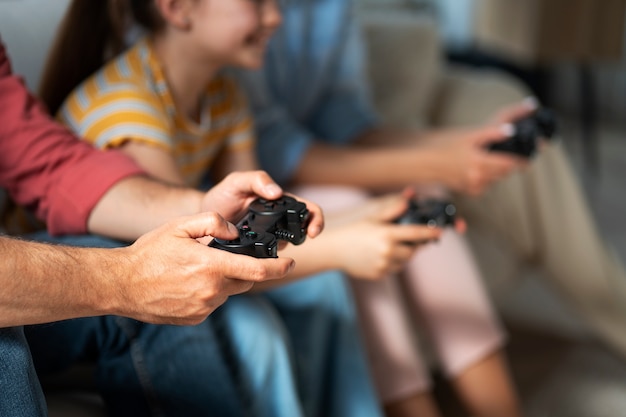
(112, 283)
(335, 252)
(106, 275)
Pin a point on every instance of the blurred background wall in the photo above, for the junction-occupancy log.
(556, 36)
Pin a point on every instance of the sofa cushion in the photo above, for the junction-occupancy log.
(405, 63)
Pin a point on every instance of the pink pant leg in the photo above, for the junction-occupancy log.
(444, 291)
(398, 368)
(445, 287)
(442, 285)
(332, 198)
(394, 357)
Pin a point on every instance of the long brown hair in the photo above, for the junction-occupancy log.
(91, 31)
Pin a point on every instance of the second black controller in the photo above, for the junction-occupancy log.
(434, 213)
(540, 124)
(266, 221)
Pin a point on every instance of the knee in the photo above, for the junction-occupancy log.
(15, 357)
(253, 326)
(333, 198)
(326, 293)
(334, 292)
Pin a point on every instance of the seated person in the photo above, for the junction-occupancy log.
(166, 104)
(317, 134)
(165, 277)
(317, 127)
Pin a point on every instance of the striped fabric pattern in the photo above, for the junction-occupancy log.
(129, 100)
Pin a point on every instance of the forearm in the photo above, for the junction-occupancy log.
(325, 252)
(139, 204)
(313, 257)
(386, 136)
(44, 283)
(373, 168)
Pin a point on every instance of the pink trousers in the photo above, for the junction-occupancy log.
(438, 300)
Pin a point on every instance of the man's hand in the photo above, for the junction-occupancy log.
(168, 277)
(232, 196)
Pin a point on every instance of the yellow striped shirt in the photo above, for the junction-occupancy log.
(129, 100)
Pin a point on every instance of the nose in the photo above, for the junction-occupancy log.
(272, 17)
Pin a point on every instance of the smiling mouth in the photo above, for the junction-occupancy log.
(259, 39)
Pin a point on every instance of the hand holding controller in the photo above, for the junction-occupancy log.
(433, 213)
(540, 124)
(266, 221)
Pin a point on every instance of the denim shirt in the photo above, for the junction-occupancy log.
(313, 85)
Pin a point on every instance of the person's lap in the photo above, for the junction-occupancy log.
(141, 368)
(256, 353)
(326, 367)
(21, 392)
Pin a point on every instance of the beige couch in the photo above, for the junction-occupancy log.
(412, 86)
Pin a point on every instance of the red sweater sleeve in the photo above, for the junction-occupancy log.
(46, 168)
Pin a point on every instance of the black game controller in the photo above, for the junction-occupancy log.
(266, 221)
(540, 124)
(433, 213)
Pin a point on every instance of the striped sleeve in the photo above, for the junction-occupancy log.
(110, 115)
(241, 137)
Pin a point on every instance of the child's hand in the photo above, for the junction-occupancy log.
(232, 196)
(373, 247)
(372, 250)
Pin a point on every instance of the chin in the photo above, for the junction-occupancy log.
(254, 65)
(250, 62)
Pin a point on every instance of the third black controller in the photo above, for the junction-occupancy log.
(540, 124)
(266, 221)
(434, 213)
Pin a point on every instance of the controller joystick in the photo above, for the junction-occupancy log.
(540, 124)
(433, 213)
(265, 223)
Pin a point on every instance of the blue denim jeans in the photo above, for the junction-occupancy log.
(143, 369)
(20, 392)
(305, 335)
(294, 351)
